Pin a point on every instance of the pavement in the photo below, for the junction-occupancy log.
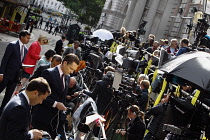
(5, 38)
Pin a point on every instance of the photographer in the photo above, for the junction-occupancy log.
(102, 92)
(161, 115)
(136, 127)
(143, 97)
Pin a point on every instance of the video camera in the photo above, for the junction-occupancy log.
(125, 88)
(125, 93)
(134, 65)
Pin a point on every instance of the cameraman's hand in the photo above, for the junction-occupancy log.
(76, 94)
(37, 134)
(1, 77)
(61, 106)
(117, 131)
(68, 97)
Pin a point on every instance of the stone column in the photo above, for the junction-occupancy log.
(151, 16)
(129, 13)
(165, 18)
(137, 14)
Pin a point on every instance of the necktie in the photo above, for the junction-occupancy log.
(62, 83)
(22, 52)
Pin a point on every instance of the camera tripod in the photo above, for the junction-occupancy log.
(118, 121)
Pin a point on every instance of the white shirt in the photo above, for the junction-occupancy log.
(60, 73)
(21, 44)
(29, 132)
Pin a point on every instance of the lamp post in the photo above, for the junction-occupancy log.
(103, 18)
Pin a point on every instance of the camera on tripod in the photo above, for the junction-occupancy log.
(127, 89)
(134, 65)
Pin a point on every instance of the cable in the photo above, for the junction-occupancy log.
(56, 128)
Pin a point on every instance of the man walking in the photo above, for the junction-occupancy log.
(11, 65)
(59, 45)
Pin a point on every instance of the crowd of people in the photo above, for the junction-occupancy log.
(45, 85)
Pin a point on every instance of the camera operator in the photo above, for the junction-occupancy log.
(103, 93)
(136, 126)
(161, 116)
(143, 94)
(154, 47)
(149, 42)
(142, 77)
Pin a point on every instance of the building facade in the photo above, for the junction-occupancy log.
(51, 4)
(165, 18)
(14, 10)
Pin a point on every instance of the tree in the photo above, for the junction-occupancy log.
(85, 9)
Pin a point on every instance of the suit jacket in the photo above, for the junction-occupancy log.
(136, 129)
(59, 47)
(70, 50)
(39, 71)
(45, 112)
(11, 61)
(15, 119)
(32, 56)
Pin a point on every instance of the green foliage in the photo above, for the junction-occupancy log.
(37, 10)
(86, 9)
(87, 28)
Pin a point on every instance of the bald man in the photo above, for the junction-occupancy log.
(73, 87)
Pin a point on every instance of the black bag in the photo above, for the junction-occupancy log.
(156, 85)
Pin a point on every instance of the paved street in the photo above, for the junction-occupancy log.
(5, 39)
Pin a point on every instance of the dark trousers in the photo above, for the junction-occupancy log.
(51, 128)
(10, 87)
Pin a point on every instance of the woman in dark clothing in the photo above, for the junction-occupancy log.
(136, 127)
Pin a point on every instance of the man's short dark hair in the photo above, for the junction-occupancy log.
(63, 37)
(70, 58)
(24, 33)
(49, 53)
(185, 41)
(57, 57)
(39, 84)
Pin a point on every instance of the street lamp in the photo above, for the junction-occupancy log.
(103, 18)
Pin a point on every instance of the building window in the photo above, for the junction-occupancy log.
(110, 5)
(51, 3)
(55, 4)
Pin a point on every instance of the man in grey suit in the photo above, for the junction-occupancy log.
(75, 50)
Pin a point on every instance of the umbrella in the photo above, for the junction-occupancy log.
(193, 67)
(103, 34)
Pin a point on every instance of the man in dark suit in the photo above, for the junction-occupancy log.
(49, 115)
(16, 116)
(103, 92)
(59, 45)
(56, 60)
(75, 50)
(11, 64)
